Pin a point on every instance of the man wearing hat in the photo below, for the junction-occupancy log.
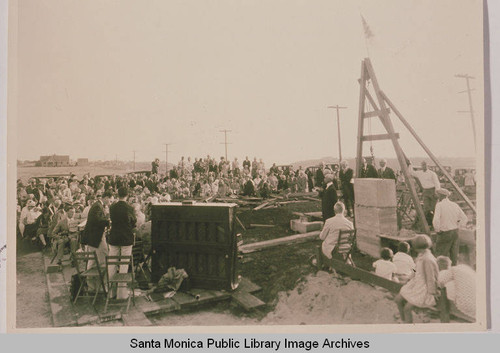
(448, 217)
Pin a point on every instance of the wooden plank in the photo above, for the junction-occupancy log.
(375, 113)
(292, 239)
(135, 317)
(62, 309)
(239, 222)
(262, 205)
(247, 300)
(311, 198)
(254, 225)
(357, 273)
(379, 137)
(248, 286)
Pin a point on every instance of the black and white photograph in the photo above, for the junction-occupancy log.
(246, 164)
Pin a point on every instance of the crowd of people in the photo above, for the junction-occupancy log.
(104, 213)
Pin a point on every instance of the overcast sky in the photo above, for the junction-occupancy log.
(100, 79)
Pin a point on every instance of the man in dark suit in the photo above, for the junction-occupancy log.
(92, 235)
(368, 170)
(320, 176)
(121, 236)
(328, 198)
(346, 174)
(385, 172)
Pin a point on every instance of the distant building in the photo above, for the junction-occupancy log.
(54, 161)
(82, 162)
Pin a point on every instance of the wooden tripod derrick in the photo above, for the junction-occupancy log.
(381, 111)
(381, 106)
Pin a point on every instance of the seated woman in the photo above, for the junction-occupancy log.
(420, 291)
(460, 284)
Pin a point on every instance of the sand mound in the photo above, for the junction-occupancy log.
(323, 299)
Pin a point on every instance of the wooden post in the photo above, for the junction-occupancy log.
(384, 117)
(431, 155)
(362, 90)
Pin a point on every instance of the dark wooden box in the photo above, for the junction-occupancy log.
(198, 238)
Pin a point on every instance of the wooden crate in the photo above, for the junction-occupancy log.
(198, 238)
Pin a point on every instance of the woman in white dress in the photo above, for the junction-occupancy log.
(422, 289)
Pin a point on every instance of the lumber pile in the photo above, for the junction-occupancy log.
(375, 212)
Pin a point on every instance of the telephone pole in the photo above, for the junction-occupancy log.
(225, 139)
(470, 111)
(134, 158)
(166, 156)
(338, 127)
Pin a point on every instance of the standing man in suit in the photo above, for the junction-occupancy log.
(385, 172)
(121, 236)
(328, 198)
(347, 186)
(93, 234)
(368, 170)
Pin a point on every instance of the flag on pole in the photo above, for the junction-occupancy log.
(368, 31)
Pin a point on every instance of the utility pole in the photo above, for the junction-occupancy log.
(166, 156)
(225, 139)
(470, 111)
(134, 159)
(338, 127)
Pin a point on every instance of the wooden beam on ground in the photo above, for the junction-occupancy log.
(311, 198)
(239, 222)
(255, 225)
(247, 300)
(262, 205)
(62, 310)
(289, 240)
(357, 273)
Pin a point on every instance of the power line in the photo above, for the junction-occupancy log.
(134, 158)
(225, 140)
(338, 127)
(470, 111)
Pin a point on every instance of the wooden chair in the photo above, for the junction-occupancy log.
(81, 260)
(120, 278)
(346, 243)
(345, 246)
(139, 258)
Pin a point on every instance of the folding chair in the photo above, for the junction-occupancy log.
(346, 244)
(81, 260)
(138, 255)
(119, 278)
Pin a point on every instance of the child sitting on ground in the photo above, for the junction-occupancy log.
(405, 266)
(384, 266)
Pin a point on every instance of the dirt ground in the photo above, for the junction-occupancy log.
(33, 308)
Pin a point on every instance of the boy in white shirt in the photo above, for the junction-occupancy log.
(384, 266)
(405, 266)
